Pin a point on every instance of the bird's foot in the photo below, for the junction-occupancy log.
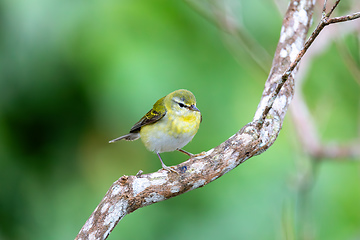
(169, 169)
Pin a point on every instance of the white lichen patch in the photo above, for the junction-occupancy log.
(295, 48)
(283, 53)
(105, 207)
(301, 15)
(227, 155)
(159, 175)
(296, 26)
(239, 137)
(276, 127)
(115, 214)
(88, 224)
(286, 33)
(289, 32)
(269, 134)
(299, 42)
(197, 167)
(175, 189)
(247, 138)
(265, 136)
(116, 211)
(92, 236)
(299, 18)
(261, 107)
(294, 52)
(153, 198)
(158, 178)
(280, 103)
(115, 190)
(282, 35)
(198, 184)
(139, 185)
(231, 161)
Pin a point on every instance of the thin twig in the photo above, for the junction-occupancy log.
(324, 22)
(343, 18)
(333, 8)
(324, 9)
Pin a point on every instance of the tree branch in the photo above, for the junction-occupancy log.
(324, 22)
(132, 192)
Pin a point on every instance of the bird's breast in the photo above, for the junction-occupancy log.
(170, 133)
(188, 124)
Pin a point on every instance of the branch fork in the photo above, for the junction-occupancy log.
(129, 193)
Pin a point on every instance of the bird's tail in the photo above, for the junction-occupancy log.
(127, 137)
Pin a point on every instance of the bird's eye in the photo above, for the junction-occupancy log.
(181, 105)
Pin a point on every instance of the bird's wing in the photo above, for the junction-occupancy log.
(155, 114)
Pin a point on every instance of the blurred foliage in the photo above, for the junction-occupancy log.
(75, 74)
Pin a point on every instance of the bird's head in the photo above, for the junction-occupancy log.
(181, 102)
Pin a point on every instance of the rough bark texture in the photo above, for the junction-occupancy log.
(132, 192)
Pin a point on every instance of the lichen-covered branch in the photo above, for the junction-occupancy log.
(279, 90)
(326, 20)
(130, 193)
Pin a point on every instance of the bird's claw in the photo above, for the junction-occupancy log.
(169, 169)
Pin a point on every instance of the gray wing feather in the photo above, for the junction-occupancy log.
(127, 137)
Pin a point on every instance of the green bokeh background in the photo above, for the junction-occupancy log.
(75, 74)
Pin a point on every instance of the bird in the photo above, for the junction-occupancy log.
(172, 123)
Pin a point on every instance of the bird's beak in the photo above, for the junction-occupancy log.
(194, 108)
